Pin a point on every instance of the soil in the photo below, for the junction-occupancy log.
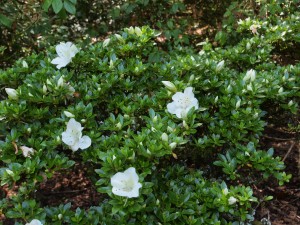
(284, 208)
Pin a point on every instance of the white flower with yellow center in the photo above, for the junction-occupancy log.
(126, 183)
(73, 136)
(34, 222)
(65, 52)
(183, 102)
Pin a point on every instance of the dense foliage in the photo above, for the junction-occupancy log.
(194, 168)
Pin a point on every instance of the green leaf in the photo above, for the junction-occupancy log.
(57, 5)
(70, 7)
(46, 5)
(5, 20)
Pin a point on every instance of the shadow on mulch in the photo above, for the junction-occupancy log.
(70, 186)
(284, 209)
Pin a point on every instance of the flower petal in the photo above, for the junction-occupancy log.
(68, 138)
(118, 180)
(74, 125)
(172, 107)
(189, 92)
(132, 173)
(84, 142)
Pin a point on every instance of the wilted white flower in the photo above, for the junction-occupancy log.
(34, 222)
(12, 93)
(65, 51)
(232, 200)
(126, 183)
(27, 151)
(170, 86)
(254, 27)
(182, 102)
(73, 136)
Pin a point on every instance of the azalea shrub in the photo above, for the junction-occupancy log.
(168, 137)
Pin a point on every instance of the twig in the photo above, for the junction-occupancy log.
(288, 152)
(279, 139)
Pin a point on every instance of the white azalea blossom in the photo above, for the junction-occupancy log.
(65, 51)
(34, 222)
(183, 102)
(73, 136)
(126, 183)
(232, 200)
(27, 151)
(12, 93)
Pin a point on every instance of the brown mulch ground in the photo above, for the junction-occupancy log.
(284, 209)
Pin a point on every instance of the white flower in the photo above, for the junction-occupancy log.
(34, 222)
(126, 184)
(27, 151)
(12, 93)
(183, 102)
(65, 51)
(232, 200)
(73, 136)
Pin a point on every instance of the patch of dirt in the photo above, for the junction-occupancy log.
(284, 209)
(72, 186)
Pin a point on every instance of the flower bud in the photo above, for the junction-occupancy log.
(12, 93)
(290, 103)
(251, 74)
(106, 42)
(68, 114)
(220, 66)
(164, 137)
(59, 216)
(154, 119)
(170, 86)
(60, 82)
(170, 129)
(24, 63)
(44, 89)
(280, 90)
(232, 200)
(138, 31)
(238, 104)
(225, 191)
(173, 145)
(130, 30)
(185, 125)
(119, 125)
